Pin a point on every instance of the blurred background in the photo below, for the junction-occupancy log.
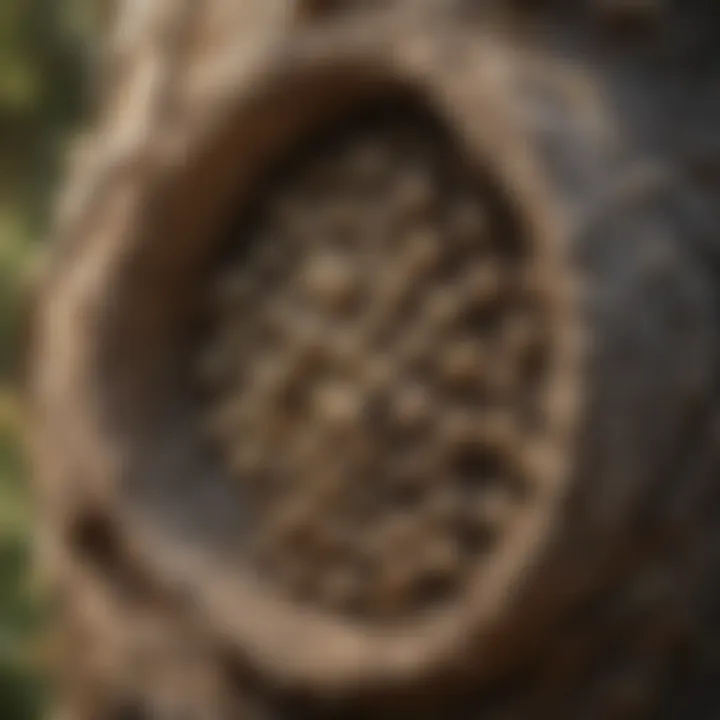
(46, 56)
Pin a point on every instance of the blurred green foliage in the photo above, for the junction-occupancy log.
(45, 55)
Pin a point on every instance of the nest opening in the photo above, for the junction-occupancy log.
(363, 355)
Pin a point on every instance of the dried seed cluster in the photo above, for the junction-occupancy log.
(374, 372)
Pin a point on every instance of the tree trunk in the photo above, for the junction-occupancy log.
(375, 365)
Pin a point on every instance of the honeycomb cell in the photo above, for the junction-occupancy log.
(367, 357)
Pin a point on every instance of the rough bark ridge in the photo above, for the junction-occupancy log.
(530, 298)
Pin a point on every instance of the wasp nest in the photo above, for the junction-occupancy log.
(374, 370)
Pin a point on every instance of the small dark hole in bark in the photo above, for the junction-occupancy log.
(93, 538)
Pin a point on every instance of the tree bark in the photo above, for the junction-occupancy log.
(593, 128)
